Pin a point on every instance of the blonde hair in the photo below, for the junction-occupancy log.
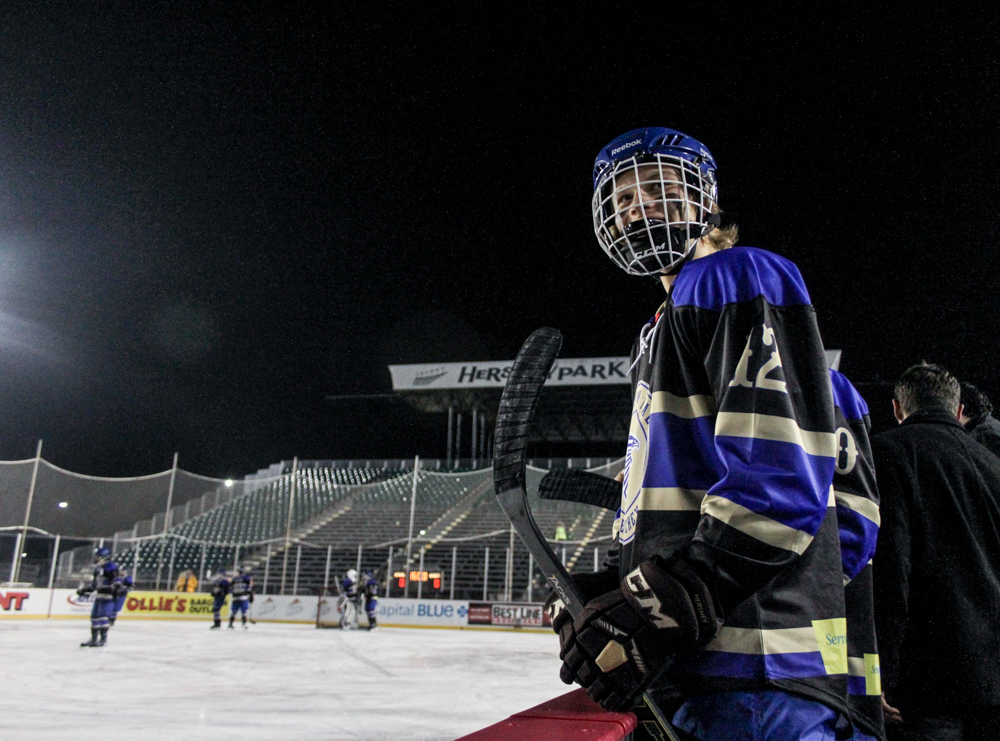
(722, 237)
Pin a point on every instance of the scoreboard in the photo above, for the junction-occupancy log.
(431, 579)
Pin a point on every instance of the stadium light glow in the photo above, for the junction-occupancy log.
(229, 483)
(63, 505)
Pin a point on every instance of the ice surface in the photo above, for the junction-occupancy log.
(180, 680)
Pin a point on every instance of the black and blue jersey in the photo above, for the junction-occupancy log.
(241, 587)
(856, 497)
(729, 464)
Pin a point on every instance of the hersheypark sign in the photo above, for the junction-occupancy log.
(493, 373)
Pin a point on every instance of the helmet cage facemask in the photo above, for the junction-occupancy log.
(677, 200)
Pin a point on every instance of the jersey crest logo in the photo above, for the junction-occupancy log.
(770, 375)
(636, 458)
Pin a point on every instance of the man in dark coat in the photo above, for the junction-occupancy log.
(937, 567)
(978, 419)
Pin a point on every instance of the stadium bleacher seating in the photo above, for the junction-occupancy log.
(338, 511)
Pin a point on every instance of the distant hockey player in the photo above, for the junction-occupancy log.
(723, 597)
(122, 589)
(242, 590)
(103, 586)
(347, 601)
(220, 588)
(369, 589)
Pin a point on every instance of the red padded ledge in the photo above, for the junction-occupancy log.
(569, 717)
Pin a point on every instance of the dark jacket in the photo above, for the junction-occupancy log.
(986, 431)
(937, 567)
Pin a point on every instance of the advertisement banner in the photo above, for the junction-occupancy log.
(428, 613)
(439, 613)
(493, 374)
(15, 603)
(278, 608)
(173, 605)
(480, 613)
(508, 615)
(519, 615)
(67, 603)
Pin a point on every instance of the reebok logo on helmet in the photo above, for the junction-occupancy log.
(623, 147)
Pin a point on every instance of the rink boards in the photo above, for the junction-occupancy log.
(392, 612)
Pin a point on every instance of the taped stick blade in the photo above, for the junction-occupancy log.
(517, 406)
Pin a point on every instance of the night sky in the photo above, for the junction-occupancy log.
(211, 220)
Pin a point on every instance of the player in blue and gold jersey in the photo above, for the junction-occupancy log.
(725, 597)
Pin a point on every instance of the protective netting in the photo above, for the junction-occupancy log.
(15, 483)
(433, 534)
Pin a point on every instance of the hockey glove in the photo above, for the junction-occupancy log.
(590, 586)
(82, 591)
(626, 637)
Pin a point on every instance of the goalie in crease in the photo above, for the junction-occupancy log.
(723, 596)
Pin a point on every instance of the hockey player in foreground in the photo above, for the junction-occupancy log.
(723, 597)
(103, 586)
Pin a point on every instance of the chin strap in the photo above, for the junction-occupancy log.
(713, 222)
(684, 261)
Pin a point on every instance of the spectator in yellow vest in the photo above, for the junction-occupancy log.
(186, 582)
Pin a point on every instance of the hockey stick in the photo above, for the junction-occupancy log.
(575, 485)
(517, 409)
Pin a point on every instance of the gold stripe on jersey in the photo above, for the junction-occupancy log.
(828, 638)
(777, 429)
(686, 407)
(775, 641)
(757, 526)
(671, 499)
(862, 505)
